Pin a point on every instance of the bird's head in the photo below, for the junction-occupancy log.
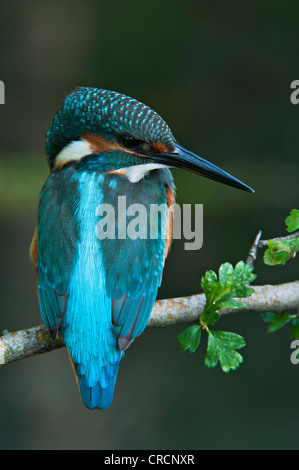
(95, 122)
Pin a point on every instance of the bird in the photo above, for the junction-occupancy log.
(98, 293)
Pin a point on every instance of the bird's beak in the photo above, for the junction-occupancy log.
(182, 158)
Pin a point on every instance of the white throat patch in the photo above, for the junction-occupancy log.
(137, 172)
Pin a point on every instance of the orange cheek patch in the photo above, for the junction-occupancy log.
(159, 147)
(100, 144)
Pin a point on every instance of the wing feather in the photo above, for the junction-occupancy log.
(135, 266)
(57, 232)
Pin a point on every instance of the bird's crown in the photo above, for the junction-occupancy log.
(104, 112)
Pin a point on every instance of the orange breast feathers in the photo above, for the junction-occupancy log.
(170, 197)
(33, 254)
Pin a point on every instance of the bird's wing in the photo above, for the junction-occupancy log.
(135, 266)
(57, 233)
(135, 290)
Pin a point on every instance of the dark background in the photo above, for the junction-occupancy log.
(219, 73)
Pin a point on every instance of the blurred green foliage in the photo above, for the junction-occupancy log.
(21, 179)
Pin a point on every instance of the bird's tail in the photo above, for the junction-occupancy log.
(97, 393)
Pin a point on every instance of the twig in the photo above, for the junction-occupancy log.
(33, 341)
(258, 243)
(253, 250)
(264, 243)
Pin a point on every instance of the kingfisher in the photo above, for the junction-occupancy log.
(97, 292)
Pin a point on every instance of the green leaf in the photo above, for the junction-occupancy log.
(221, 291)
(231, 281)
(276, 320)
(222, 347)
(190, 338)
(292, 221)
(295, 329)
(231, 304)
(209, 317)
(280, 251)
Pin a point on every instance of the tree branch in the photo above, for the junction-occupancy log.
(264, 243)
(30, 342)
(258, 243)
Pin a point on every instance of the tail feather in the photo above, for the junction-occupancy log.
(98, 394)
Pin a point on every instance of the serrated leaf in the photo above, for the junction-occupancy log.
(189, 338)
(237, 280)
(211, 287)
(222, 347)
(280, 251)
(276, 320)
(221, 291)
(292, 221)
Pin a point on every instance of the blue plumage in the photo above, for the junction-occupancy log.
(87, 320)
(99, 292)
(110, 285)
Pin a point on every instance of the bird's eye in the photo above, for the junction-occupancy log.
(129, 142)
